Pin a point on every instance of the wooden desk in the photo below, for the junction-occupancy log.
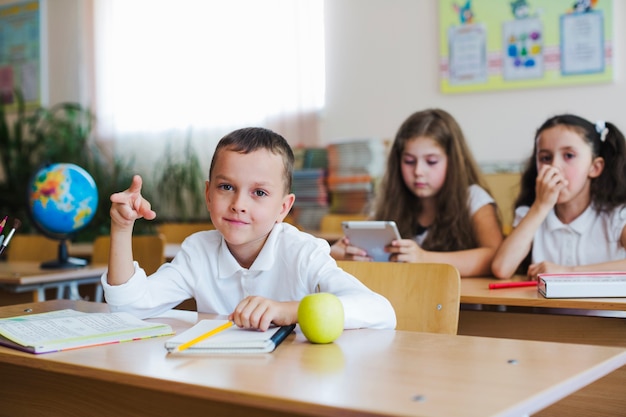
(476, 291)
(365, 373)
(523, 313)
(29, 276)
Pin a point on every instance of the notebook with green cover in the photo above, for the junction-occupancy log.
(70, 329)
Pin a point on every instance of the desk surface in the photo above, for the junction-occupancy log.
(365, 372)
(476, 291)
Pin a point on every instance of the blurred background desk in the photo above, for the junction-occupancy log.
(85, 250)
(364, 372)
(523, 313)
(19, 277)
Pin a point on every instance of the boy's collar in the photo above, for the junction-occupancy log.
(228, 265)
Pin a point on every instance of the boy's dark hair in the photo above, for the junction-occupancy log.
(607, 190)
(452, 228)
(250, 139)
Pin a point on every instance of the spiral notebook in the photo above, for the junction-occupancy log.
(231, 340)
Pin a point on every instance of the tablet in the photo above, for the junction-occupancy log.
(372, 236)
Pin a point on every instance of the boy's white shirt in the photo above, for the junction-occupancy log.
(291, 265)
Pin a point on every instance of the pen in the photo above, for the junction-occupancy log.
(498, 285)
(16, 224)
(200, 338)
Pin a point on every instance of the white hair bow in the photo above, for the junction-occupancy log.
(602, 130)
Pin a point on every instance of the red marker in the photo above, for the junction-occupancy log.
(498, 285)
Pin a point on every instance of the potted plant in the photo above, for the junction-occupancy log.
(61, 133)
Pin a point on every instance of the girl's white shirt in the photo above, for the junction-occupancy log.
(593, 237)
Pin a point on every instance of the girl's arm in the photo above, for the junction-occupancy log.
(477, 261)
(516, 246)
(470, 262)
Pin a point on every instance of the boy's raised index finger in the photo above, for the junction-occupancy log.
(136, 184)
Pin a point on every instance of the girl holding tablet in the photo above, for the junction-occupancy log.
(435, 193)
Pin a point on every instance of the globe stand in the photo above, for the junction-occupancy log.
(64, 261)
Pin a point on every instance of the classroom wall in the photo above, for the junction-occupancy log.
(382, 64)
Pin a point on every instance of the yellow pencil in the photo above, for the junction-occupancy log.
(204, 336)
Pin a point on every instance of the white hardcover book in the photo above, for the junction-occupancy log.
(583, 285)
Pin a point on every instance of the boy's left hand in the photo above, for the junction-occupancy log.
(255, 312)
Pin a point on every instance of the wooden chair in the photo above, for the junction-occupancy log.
(32, 248)
(425, 296)
(505, 187)
(177, 232)
(331, 222)
(148, 250)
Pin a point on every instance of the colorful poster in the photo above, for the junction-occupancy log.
(468, 54)
(20, 51)
(512, 44)
(582, 41)
(522, 46)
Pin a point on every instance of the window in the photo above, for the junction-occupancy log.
(172, 70)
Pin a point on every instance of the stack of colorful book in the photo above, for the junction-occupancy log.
(309, 186)
(353, 168)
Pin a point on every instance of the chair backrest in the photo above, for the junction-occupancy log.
(177, 232)
(331, 222)
(425, 296)
(148, 250)
(35, 248)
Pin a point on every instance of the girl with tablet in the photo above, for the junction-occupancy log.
(435, 193)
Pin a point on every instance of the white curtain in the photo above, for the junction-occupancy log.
(169, 71)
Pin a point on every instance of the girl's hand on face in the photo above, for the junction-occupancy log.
(550, 182)
(406, 250)
(547, 268)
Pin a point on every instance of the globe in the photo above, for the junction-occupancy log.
(63, 199)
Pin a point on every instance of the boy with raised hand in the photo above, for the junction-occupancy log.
(253, 267)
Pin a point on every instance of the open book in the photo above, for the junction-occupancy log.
(70, 329)
(231, 340)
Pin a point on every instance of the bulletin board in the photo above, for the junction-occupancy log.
(20, 48)
(511, 44)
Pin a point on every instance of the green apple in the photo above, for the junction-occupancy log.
(321, 317)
